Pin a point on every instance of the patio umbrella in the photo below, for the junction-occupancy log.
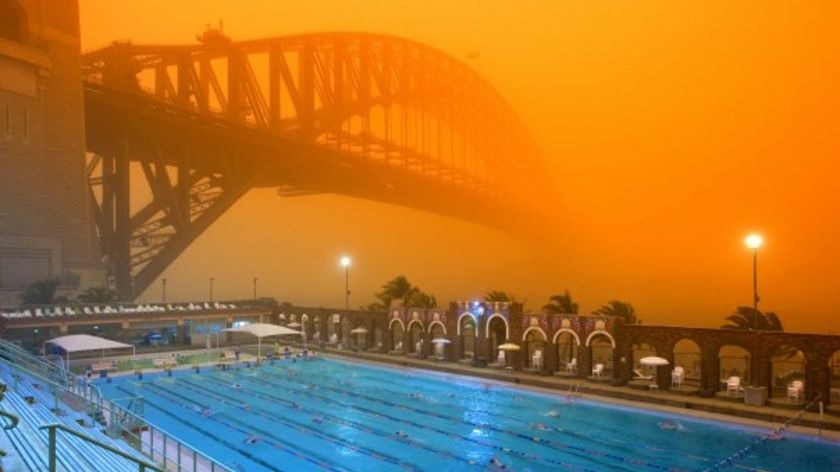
(358, 331)
(509, 347)
(653, 361)
(294, 324)
(440, 341)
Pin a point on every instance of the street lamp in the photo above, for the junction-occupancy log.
(211, 288)
(754, 241)
(163, 283)
(345, 262)
(255, 288)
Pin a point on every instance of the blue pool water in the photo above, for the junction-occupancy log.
(341, 416)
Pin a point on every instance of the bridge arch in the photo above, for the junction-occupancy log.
(334, 96)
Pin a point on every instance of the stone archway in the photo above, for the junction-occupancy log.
(787, 371)
(734, 362)
(498, 332)
(601, 352)
(397, 331)
(688, 358)
(415, 336)
(568, 344)
(468, 332)
(534, 342)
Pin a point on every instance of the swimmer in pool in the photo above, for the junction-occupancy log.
(251, 439)
(496, 464)
(671, 425)
(540, 426)
(401, 434)
(553, 413)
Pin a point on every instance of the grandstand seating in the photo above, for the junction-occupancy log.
(111, 309)
(33, 402)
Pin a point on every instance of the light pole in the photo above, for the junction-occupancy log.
(754, 241)
(163, 284)
(345, 262)
(211, 288)
(255, 288)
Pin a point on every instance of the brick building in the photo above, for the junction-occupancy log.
(45, 224)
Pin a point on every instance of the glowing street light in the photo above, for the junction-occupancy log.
(754, 241)
(345, 262)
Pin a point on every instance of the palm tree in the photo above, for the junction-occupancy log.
(420, 299)
(400, 289)
(41, 292)
(97, 295)
(499, 296)
(619, 309)
(561, 304)
(748, 318)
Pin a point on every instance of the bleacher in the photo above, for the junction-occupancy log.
(34, 403)
(105, 309)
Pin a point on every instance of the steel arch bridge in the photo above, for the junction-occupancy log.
(362, 115)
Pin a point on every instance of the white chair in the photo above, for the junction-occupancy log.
(439, 351)
(795, 390)
(677, 376)
(733, 385)
(639, 375)
(501, 358)
(537, 360)
(571, 367)
(399, 347)
(598, 370)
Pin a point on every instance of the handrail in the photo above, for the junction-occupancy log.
(87, 390)
(51, 429)
(13, 419)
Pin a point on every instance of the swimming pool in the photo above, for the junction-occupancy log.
(335, 415)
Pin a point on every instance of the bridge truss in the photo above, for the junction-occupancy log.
(363, 115)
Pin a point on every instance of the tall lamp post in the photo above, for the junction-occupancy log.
(211, 288)
(345, 262)
(255, 288)
(163, 284)
(754, 241)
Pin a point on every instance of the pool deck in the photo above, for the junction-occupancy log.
(767, 416)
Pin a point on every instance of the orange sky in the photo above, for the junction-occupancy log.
(673, 129)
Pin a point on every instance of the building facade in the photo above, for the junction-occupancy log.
(46, 230)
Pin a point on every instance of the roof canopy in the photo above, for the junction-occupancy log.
(86, 342)
(262, 330)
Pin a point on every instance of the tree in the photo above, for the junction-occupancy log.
(41, 292)
(97, 295)
(400, 289)
(621, 310)
(499, 296)
(748, 318)
(561, 304)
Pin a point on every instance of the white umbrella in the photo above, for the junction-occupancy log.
(653, 361)
(294, 325)
(358, 331)
(440, 341)
(281, 317)
(509, 347)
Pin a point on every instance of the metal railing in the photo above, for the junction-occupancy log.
(52, 430)
(13, 420)
(37, 366)
(151, 441)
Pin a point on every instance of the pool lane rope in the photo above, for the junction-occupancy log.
(580, 452)
(763, 439)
